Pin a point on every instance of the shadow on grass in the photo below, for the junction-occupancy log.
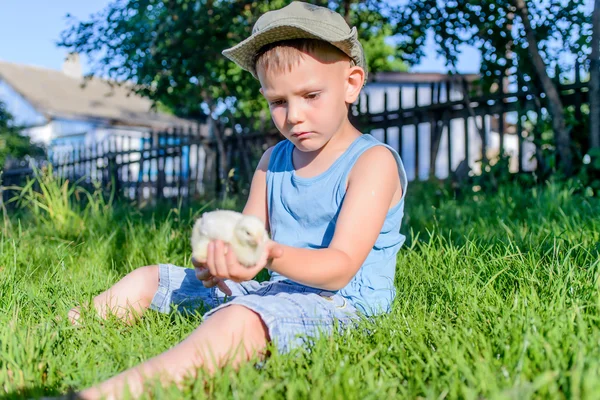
(39, 392)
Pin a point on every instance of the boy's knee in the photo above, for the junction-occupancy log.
(148, 279)
(245, 322)
(147, 274)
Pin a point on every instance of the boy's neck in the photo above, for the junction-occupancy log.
(313, 163)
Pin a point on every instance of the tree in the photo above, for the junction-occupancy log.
(514, 36)
(12, 143)
(171, 50)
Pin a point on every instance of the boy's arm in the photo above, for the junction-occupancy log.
(257, 198)
(372, 185)
(255, 205)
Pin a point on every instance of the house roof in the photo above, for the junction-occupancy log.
(418, 77)
(58, 95)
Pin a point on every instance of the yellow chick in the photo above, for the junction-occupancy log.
(245, 233)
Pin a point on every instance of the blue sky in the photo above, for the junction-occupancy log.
(29, 30)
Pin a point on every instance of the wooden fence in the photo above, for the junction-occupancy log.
(458, 128)
(175, 164)
(451, 130)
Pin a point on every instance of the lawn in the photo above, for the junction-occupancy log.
(497, 298)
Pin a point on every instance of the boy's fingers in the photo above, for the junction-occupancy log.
(210, 258)
(219, 260)
(224, 288)
(210, 282)
(202, 273)
(230, 258)
(198, 264)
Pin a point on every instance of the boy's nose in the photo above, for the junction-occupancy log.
(294, 113)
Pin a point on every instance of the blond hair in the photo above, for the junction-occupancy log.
(282, 56)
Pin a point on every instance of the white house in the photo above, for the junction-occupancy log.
(62, 112)
(59, 110)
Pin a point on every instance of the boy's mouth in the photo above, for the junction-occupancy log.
(300, 134)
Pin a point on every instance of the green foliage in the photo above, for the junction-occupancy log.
(492, 27)
(495, 174)
(172, 50)
(538, 129)
(509, 34)
(64, 206)
(12, 143)
(589, 174)
(380, 55)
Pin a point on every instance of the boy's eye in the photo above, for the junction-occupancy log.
(310, 96)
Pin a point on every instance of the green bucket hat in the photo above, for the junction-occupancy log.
(298, 20)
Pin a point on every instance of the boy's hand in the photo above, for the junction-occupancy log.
(222, 262)
(208, 280)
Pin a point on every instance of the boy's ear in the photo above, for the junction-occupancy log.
(354, 83)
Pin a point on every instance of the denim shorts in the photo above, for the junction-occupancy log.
(293, 313)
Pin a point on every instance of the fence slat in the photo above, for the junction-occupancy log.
(448, 124)
(519, 142)
(417, 152)
(400, 122)
(466, 122)
(385, 107)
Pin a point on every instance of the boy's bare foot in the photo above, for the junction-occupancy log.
(74, 316)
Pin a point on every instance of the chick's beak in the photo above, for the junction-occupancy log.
(256, 239)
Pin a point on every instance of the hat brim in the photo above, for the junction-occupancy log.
(244, 52)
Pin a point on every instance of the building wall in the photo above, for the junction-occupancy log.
(22, 111)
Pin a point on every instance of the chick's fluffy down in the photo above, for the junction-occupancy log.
(245, 233)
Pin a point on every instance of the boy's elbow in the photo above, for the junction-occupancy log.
(335, 286)
(348, 271)
(340, 283)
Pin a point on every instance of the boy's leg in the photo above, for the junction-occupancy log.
(232, 335)
(162, 287)
(128, 298)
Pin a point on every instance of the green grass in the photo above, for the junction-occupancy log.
(497, 298)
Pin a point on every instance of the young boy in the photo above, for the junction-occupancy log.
(331, 198)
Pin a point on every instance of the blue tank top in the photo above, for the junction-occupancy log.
(303, 213)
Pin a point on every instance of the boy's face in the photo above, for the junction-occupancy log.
(308, 102)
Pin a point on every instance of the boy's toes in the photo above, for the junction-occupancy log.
(74, 315)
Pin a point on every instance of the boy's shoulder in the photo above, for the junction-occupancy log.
(378, 157)
(265, 159)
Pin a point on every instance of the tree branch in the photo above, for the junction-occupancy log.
(556, 109)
